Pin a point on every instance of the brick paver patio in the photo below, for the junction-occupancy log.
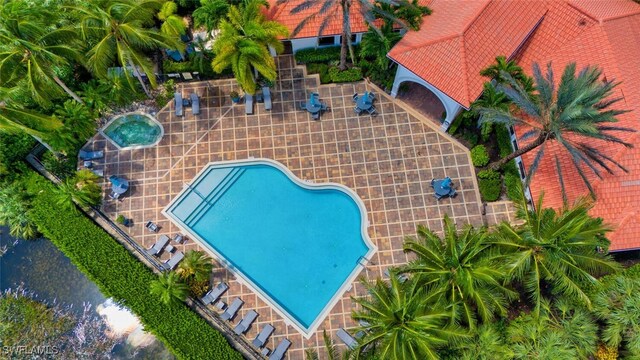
(389, 160)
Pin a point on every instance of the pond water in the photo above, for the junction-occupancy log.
(40, 267)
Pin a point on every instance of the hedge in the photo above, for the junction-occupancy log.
(322, 54)
(479, 156)
(321, 69)
(489, 184)
(349, 75)
(124, 278)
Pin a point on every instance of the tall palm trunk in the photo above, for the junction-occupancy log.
(67, 90)
(346, 30)
(523, 150)
(135, 71)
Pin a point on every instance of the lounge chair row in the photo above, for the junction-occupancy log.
(159, 246)
(179, 102)
(245, 323)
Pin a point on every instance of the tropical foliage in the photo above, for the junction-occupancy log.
(404, 321)
(376, 44)
(169, 288)
(172, 24)
(555, 253)
(121, 33)
(13, 212)
(32, 51)
(616, 304)
(574, 115)
(209, 14)
(462, 270)
(81, 189)
(243, 44)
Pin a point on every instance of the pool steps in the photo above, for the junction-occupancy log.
(217, 192)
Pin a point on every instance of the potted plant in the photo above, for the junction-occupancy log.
(122, 220)
(235, 97)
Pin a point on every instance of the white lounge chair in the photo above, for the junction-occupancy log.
(195, 104)
(90, 155)
(177, 101)
(248, 104)
(278, 352)
(266, 92)
(173, 261)
(215, 293)
(232, 310)
(347, 339)
(262, 337)
(159, 245)
(245, 323)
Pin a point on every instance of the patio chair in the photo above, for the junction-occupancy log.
(156, 248)
(248, 104)
(114, 195)
(215, 293)
(195, 104)
(357, 110)
(372, 111)
(316, 116)
(90, 155)
(323, 107)
(355, 97)
(99, 173)
(347, 339)
(262, 337)
(173, 261)
(177, 101)
(266, 92)
(303, 105)
(151, 226)
(245, 323)
(372, 96)
(179, 238)
(232, 310)
(278, 352)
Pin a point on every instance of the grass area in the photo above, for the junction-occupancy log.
(121, 276)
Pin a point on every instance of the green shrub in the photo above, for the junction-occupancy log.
(349, 75)
(322, 55)
(13, 149)
(512, 181)
(479, 156)
(321, 69)
(504, 140)
(471, 137)
(60, 166)
(490, 185)
(121, 276)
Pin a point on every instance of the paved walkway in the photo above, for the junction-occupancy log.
(389, 160)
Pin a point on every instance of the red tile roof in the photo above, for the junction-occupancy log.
(607, 35)
(463, 37)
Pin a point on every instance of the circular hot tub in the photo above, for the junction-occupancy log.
(133, 131)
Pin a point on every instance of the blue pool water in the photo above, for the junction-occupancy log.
(297, 246)
(134, 130)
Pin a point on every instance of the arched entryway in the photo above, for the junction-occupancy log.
(423, 100)
(432, 95)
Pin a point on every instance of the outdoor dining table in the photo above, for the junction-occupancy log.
(118, 185)
(313, 105)
(364, 102)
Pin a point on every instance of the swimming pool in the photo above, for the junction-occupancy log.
(297, 245)
(133, 131)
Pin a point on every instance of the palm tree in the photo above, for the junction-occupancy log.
(488, 343)
(13, 213)
(462, 268)
(329, 10)
(169, 288)
(491, 98)
(32, 51)
(195, 264)
(574, 116)
(376, 44)
(410, 15)
(121, 32)
(79, 125)
(616, 304)
(404, 321)
(332, 351)
(562, 332)
(210, 13)
(172, 24)
(81, 189)
(243, 44)
(555, 249)
(15, 120)
(502, 65)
